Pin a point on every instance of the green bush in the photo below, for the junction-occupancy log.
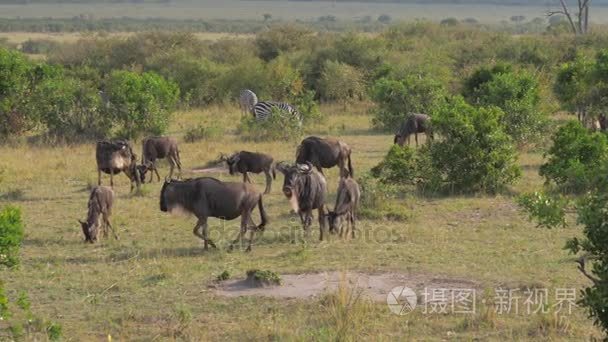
(396, 98)
(307, 106)
(70, 109)
(574, 158)
(516, 93)
(11, 236)
(474, 153)
(278, 126)
(548, 209)
(341, 82)
(140, 103)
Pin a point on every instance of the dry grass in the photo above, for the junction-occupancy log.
(152, 283)
(72, 37)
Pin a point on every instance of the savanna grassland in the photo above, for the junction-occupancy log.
(154, 282)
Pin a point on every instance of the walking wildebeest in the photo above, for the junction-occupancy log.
(208, 197)
(325, 153)
(114, 157)
(305, 188)
(154, 148)
(100, 210)
(414, 124)
(347, 202)
(244, 162)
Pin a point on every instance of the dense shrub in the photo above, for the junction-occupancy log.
(11, 236)
(140, 103)
(16, 76)
(70, 109)
(474, 152)
(516, 93)
(280, 39)
(341, 82)
(307, 106)
(278, 126)
(574, 158)
(396, 98)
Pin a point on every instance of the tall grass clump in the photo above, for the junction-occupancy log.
(11, 236)
(278, 126)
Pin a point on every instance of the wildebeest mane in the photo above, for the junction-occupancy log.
(308, 188)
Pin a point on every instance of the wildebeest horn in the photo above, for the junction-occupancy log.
(167, 179)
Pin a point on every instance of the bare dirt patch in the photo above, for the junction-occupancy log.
(310, 285)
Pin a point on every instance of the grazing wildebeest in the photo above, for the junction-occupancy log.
(114, 157)
(414, 124)
(244, 162)
(347, 202)
(325, 153)
(100, 210)
(208, 197)
(158, 148)
(305, 188)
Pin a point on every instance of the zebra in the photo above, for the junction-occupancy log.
(262, 110)
(247, 99)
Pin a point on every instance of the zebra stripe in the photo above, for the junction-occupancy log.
(262, 110)
(247, 99)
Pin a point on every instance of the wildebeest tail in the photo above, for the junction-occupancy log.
(274, 171)
(350, 167)
(263, 216)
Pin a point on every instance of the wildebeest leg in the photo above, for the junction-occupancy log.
(111, 178)
(352, 224)
(307, 222)
(239, 238)
(206, 236)
(321, 222)
(245, 219)
(106, 220)
(268, 182)
(416, 138)
(98, 176)
(197, 230)
(157, 175)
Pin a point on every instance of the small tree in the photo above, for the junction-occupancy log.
(141, 103)
(516, 93)
(396, 98)
(573, 85)
(11, 236)
(475, 153)
(341, 82)
(16, 83)
(574, 158)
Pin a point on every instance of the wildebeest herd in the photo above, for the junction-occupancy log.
(304, 183)
(304, 186)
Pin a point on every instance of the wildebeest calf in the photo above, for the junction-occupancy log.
(325, 153)
(208, 197)
(414, 124)
(114, 157)
(244, 162)
(100, 210)
(306, 189)
(347, 202)
(154, 148)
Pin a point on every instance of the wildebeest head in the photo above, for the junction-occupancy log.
(142, 170)
(163, 194)
(89, 231)
(335, 221)
(232, 162)
(291, 172)
(399, 139)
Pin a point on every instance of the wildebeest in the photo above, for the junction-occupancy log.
(244, 162)
(114, 157)
(347, 202)
(100, 210)
(208, 197)
(414, 124)
(325, 153)
(154, 148)
(306, 189)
